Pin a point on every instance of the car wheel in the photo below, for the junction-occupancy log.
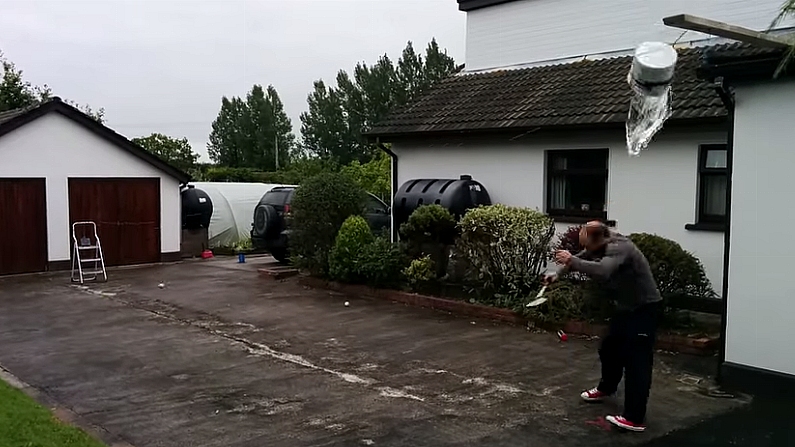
(265, 220)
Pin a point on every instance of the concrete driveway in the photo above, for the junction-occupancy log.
(220, 357)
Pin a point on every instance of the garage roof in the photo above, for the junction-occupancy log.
(16, 118)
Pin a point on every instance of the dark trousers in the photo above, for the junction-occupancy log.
(629, 349)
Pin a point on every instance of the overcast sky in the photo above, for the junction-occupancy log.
(163, 65)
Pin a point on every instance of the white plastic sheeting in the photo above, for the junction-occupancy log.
(233, 210)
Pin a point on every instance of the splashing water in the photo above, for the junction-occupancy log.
(649, 108)
(649, 80)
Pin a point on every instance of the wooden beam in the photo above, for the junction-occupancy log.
(720, 29)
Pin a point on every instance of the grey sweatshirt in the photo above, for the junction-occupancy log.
(623, 270)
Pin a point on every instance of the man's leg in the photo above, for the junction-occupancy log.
(640, 360)
(612, 355)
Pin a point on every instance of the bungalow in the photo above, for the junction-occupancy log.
(538, 118)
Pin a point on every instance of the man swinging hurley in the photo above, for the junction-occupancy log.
(623, 272)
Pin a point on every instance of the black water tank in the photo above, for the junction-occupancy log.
(197, 208)
(457, 196)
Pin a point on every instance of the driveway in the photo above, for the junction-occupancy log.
(220, 357)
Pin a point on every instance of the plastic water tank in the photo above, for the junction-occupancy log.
(197, 208)
(457, 196)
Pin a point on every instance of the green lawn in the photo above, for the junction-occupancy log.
(24, 423)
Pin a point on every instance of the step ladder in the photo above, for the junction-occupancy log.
(88, 263)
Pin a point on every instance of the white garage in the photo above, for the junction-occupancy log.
(60, 166)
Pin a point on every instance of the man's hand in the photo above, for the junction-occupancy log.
(549, 278)
(563, 257)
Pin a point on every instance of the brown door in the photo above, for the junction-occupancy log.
(127, 214)
(23, 225)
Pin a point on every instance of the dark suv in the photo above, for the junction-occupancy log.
(271, 232)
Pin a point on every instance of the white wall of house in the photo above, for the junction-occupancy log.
(56, 148)
(761, 294)
(653, 193)
(536, 30)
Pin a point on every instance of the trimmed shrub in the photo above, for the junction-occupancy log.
(505, 249)
(353, 237)
(381, 264)
(420, 271)
(429, 224)
(319, 208)
(676, 271)
(429, 231)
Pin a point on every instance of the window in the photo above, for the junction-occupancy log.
(577, 183)
(713, 182)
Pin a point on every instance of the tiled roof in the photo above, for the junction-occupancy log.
(578, 93)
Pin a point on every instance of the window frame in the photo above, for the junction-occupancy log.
(704, 172)
(574, 216)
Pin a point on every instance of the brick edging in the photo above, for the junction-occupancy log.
(704, 346)
(63, 414)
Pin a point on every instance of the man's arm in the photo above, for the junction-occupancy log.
(601, 269)
(559, 270)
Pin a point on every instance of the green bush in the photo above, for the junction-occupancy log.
(381, 264)
(420, 271)
(353, 237)
(430, 230)
(676, 271)
(429, 224)
(505, 249)
(319, 208)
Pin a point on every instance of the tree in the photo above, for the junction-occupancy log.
(176, 152)
(332, 127)
(16, 93)
(787, 10)
(373, 176)
(252, 133)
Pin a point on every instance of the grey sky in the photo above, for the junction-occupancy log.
(162, 66)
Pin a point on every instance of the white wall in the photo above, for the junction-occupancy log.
(653, 193)
(761, 295)
(56, 148)
(536, 30)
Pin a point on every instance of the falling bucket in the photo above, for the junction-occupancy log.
(241, 258)
(653, 65)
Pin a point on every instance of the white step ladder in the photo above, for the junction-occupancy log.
(87, 259)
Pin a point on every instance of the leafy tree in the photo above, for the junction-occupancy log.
(332, 127)
(177, 152)
(787, 10)
(252, 133)
(373, 176)
(16, 93)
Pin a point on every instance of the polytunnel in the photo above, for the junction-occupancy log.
(233, 210)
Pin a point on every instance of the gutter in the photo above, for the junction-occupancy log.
(393, 188)
(728, 100)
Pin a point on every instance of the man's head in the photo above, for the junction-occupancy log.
(594, 235)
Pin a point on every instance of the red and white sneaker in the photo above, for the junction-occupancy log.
(594, 395)
(622, 422)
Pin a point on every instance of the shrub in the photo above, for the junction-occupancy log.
(570, 240)
(676, 271)
(570, 299)
(429, 231)
(381, 264)
(420, 271)
(505, 249)
(353, 237)
(319, 207)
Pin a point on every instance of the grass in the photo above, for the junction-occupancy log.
(24, 423)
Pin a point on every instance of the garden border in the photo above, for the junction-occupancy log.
(702, 346)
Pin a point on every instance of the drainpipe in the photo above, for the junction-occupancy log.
(728, 101)
(393, 188)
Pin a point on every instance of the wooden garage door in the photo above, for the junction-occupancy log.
(23, 225)
(127, 214)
